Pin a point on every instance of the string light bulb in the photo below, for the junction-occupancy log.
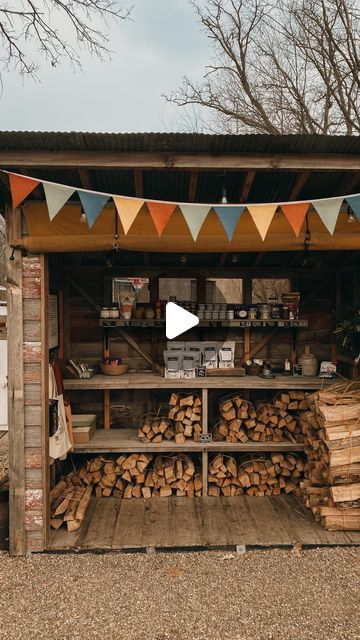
(82, 216)
(223, 199)
(234, 258)
(351, 216)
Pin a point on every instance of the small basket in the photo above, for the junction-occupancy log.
(113, 369)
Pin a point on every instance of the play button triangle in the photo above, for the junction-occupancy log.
(178, 320)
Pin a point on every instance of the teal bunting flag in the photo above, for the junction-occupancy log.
(354, 202)
(92, 204)
(229, 217)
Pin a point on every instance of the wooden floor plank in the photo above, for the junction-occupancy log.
(102, 525)
(111, 523)
(64, 539)
(186, 525)
(131, 522)
(158, 532)
(269, 525)
(246, 531)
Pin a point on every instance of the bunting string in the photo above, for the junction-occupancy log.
(128, 208)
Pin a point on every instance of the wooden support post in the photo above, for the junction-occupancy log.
(246, 344)
(205, 410)
(45, 394)
(107, 421)
(204, 472)
(15, 337)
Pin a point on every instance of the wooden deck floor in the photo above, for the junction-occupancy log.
(112, 524)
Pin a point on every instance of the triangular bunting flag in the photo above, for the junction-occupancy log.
(127, 209)
(262, 214)
(20, 188)
(229, 217)
(328, 211)
(56, 195)
(354, 202)
(160, 214)
(195, 215)
(92, 204)
(295, 213)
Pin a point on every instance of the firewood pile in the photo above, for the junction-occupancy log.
(183, 421)
(331, 488)
(4, 472)
(137, 475)
(240, 421)
(255, 475)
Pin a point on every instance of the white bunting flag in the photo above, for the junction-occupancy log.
(56, 196)
(195, 215)
(328, 211)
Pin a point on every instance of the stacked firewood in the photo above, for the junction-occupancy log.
(241, 422)
(183, 421)
(137, 475)
(256, 476)
(331, 427)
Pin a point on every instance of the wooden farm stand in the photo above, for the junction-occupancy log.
(66, 258)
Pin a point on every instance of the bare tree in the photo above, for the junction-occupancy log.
(279, 66)
(57, 29)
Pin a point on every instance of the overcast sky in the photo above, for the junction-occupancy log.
(152, 53)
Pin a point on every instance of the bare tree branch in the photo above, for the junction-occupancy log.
(279, 66)
(38, 22)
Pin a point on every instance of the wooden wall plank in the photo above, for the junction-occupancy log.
(15, 386)
(45, 396)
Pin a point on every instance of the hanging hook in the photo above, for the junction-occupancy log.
(12, 254)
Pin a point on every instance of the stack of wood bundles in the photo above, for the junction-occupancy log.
(183, 421)
(137, 475)
(240, 421)
(332, 444)
(255, 476)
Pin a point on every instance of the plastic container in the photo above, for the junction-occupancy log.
(308, 362)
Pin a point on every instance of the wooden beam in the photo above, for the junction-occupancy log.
(299, 183)
(347, 183)
(193, 186)
(259, 258)
(222, 259)
(139, 183)
(16, 408)
(85, 179)
(30, 159)
(246, 187)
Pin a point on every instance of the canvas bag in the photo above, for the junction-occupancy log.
(59, 443)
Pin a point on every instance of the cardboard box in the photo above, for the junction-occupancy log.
(84, 427)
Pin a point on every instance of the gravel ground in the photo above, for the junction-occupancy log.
(207, 595)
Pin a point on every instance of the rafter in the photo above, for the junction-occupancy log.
(193, 186)
(299, 184)
(85, 179)
(246, 187)
(139, 183)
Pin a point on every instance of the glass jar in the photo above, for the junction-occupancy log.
(242, 312)
(114, 312)
(105, 313)
(264, 312)
(285, 313)
(252, 314)
(274, 308)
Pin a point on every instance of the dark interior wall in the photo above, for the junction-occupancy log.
(84, 340)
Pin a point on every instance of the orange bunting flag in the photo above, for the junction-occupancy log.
(295, 213)
(127, 209)
(20, 188)
(262, 214)
(161, 214)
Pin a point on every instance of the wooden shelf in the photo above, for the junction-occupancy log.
(125, 440)
(152, 381)
(241, 324)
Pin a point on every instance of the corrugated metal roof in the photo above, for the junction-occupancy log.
(181, 142)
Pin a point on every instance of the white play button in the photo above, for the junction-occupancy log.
(178, 320)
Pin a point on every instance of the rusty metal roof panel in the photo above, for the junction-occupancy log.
(180, 142)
